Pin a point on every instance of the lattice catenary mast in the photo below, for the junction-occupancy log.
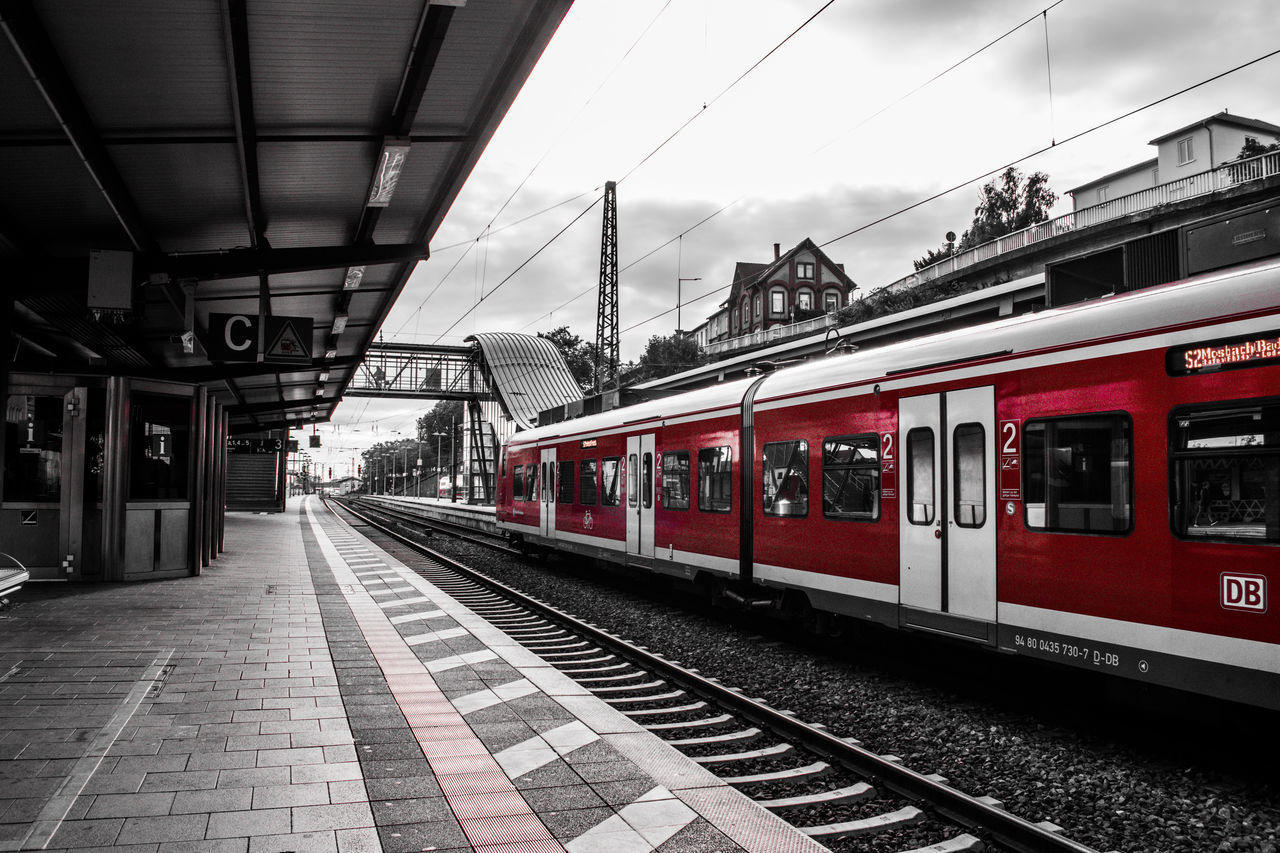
(607, 346)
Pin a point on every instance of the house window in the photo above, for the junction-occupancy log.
(831, 301)
(777, 302)
(804, 269)
(804, 299)
(1186, 151)
(1102, 192)
(757, 300)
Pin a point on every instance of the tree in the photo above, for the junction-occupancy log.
(664, 356)
(1252, 148)
(578, 354)
(1006, 204)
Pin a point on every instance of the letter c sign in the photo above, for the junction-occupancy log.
(233, 337)
(230, 329)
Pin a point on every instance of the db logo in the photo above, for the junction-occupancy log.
(1244, 592)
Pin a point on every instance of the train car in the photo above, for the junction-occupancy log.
(1098, 485)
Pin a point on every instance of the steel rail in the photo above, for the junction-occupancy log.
(971, 812)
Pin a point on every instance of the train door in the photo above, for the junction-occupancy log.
(948, 541)
(547, 514)
(640, 476)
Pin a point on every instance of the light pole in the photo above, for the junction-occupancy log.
(391, 457)
(417, 471)
(438, 435)
(680, 281)
(453, 464)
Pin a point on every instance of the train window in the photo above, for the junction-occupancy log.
(1225, 481)
(517, 483)
(609, 481)
(633, 480)
(715, 479)
(786, 478)
(566, 483)
(851, 477)
(646, 488)
(675, 479)
(920, 476)
(969, 450)
(588, 491)
(531, 483)
(1076, 474)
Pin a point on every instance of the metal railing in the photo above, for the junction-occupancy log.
(1223, 177)
(1220, 178)
(772, 335)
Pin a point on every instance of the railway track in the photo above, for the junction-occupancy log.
(835, 791)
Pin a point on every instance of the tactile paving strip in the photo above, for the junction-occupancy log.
(462, 777)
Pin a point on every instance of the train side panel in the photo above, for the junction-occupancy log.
(827, 527)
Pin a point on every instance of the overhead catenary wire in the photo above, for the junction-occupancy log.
(937, 76)
(995, 171)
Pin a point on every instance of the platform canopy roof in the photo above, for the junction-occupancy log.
(167, 166)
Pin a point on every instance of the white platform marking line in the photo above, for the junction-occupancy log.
(421, 599)
(489, 697)
(455, 661)
(416, 617)
(643, 826)
(55, 810)
(436, 636)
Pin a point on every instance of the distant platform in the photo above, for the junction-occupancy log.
(309, 692)
(477, 517)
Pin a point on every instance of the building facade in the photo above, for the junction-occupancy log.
(797, 285)
(1187, 151)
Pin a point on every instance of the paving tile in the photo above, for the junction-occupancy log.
(187, 827)
(220, 800)
(299, 842)
(130, 805)
(341, 816)
(313, 794)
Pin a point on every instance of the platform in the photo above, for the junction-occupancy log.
(475, 516)
(309, 693)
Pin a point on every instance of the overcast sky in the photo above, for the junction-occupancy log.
(822, 138)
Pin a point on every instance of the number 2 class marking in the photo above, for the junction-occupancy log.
(1010, 447)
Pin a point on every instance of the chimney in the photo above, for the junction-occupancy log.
(777, 251)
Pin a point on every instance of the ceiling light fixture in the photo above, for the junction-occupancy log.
(354, 276)
(390, 163)
(339, 323)
(331, 353)
(324, 376)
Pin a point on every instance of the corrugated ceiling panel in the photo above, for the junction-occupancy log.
(58, 201)
(480, 36)
(329, 64)
(423, 174)
(24, 109)
(314, 192)
(152, 65)
(189, 195)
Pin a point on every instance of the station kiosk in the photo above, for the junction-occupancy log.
(111, 478)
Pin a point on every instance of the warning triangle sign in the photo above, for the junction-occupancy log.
(288, 340)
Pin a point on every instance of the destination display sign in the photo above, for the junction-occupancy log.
(253, 445)
(1230, 354)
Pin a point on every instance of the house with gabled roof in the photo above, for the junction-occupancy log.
(1197, 147)
(797, 285)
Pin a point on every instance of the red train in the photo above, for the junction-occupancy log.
(1097, 484)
